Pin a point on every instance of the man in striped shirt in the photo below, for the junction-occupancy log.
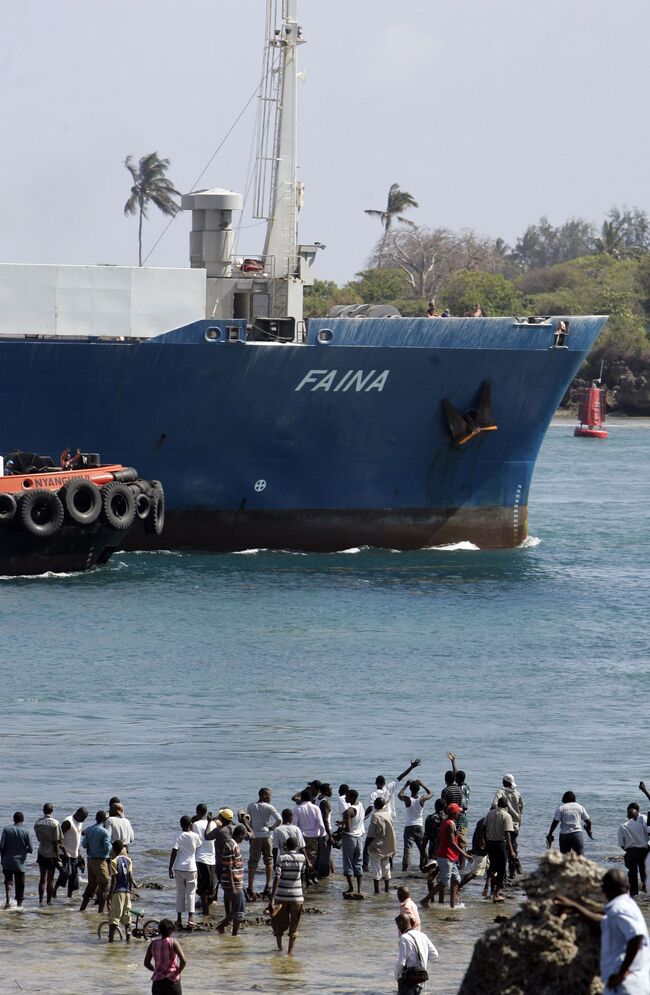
(287, 896)
(232, 881)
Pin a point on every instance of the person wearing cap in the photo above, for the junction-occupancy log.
(221, 833)
(447, 853)
(498, 841)
(515, 809)
(624, 950)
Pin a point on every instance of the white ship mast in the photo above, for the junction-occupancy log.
(278, 193)
(270, 285)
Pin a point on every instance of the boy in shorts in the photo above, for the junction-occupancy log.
(119, 892)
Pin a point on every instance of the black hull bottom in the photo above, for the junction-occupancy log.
(71, 550)
(326, 531)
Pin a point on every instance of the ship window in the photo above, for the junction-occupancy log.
(213, 334)
(325, 335)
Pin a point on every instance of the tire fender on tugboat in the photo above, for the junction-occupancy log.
(154, 524)
(41, 513)
(118, 505)
(82, 501)
(8, 507)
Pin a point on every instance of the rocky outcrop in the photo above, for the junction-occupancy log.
(538, 951)
(628, 390)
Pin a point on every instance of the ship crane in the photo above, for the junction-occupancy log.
(266, 289)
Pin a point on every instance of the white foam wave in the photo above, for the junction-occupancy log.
(156, 552)
(48, 575)
(530, 542)
(453, 547)
(247, 552)
(352, 549)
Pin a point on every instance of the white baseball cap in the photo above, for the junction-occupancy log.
(511, 779)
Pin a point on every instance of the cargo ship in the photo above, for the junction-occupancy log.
(268, 431)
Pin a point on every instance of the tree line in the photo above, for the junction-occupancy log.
(576, 267)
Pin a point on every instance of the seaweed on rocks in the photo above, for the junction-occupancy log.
(540, 951)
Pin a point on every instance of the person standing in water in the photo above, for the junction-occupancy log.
(15, 844)
(569, 816)
(48, 833)
(166, 960)
(287, 891)
(515, 808)
(414, 828)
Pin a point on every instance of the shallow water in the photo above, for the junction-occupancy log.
(169, 678)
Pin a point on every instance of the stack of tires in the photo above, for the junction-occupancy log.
(81, 502)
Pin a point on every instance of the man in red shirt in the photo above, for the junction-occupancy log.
(447, 854)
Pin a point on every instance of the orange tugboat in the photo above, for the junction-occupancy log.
(591, 412)
(70, 517)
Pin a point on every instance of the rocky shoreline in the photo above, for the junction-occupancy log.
(628, 389)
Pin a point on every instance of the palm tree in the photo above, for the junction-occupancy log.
(611, 239)
(150, 185)
(398, 201)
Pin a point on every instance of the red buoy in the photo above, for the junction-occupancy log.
(591, 413)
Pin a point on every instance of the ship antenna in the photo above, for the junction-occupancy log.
(278, 193)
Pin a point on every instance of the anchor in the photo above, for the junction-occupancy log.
(465, 427)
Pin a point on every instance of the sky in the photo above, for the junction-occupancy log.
(489, 112)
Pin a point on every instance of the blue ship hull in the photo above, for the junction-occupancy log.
(321, 445)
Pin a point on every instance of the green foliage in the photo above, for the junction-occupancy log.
(379, 286)
(412, 307)
(623, 338)
(591, 285)
(324, 295)
(493, 291)
(397, 202)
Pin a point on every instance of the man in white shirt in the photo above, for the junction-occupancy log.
(352, 844)
(205, 857)
(413, 822)
(415, 952)
(264, 818)
(182, 868)
(633, 838)
(285, 832)
(118, 825)
(387, 791)
(515, 807)
(387, 794)
(73, 861)
(624, 957)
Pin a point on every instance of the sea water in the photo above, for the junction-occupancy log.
(173, 678)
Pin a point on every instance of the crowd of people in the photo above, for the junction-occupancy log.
(296, 848)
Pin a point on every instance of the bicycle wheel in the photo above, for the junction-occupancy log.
(150, 929)
(102, 931)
